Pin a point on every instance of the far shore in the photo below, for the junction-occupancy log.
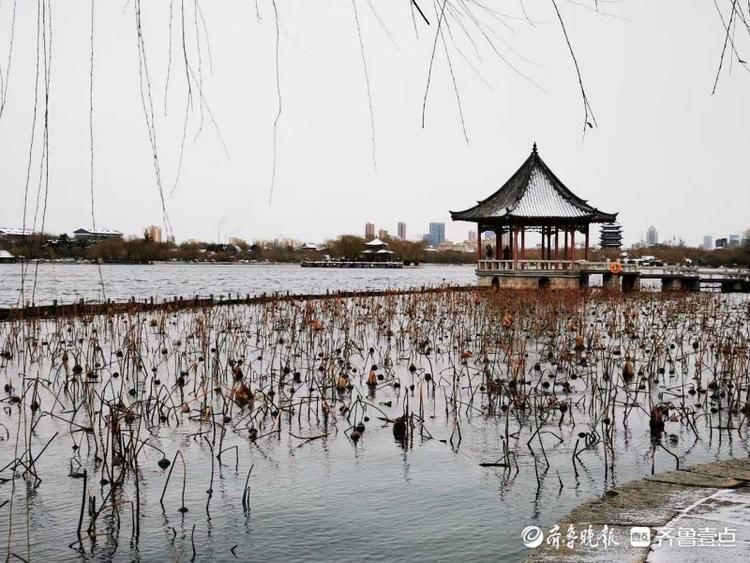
(200, 263)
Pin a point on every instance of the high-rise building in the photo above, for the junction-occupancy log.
(610, 235)
(734, 240)
(437, 233)
(652, 236)
(382, 234)
(721, 243)
(402, 230)
(152, 233)
(369, 231)
(472, 236)
(708, 242)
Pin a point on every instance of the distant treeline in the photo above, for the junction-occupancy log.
(345, 247)
(733, 256)
(143, 250)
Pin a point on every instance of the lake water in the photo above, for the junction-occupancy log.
(68, 282)
(333, 499)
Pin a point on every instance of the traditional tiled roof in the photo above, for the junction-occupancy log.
(533, 192)
(376, 242)
(97, 232)
(14, 231)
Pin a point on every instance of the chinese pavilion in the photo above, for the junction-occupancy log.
(532, 200)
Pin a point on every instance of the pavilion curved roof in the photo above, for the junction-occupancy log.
(376, 242)
(533, 193)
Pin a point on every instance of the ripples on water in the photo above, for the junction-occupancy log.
(72, 282)
(330, 498)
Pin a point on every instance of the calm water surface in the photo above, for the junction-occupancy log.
(71, 282)
(329, 499)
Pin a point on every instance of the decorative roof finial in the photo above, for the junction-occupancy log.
(534, 148)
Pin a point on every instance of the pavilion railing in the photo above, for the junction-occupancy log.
(583, 266)
(494, 265)
(550, 265)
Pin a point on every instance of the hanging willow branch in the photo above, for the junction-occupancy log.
(588, 118)
(278, 99)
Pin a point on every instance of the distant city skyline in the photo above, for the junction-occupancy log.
(651, 236)
(155, 233)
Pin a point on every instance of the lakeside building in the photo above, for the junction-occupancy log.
(401, 229)
(15, 234)
(278, 243)
(153, 233)
(734, 241)
(382, 234)
(6, 257)
(652, 236)
(708, 242)
(673, 242)
(369, 231)
(377, 250)
(466, 246)
(93, 235)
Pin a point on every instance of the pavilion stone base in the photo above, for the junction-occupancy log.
(680, 284)
(526, 280)
(735, 286)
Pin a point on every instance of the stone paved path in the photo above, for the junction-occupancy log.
(700, 513)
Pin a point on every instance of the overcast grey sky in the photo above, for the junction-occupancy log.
(666, 152)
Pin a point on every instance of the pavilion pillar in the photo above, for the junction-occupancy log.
(573, 242)
(542, 253)
(479, 242)
(523, 243)
(566, 255)
(549, 243)
(586, 250)
(515, 247)
(557, 247)
(498, 242)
